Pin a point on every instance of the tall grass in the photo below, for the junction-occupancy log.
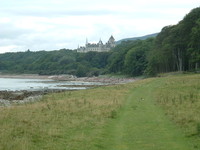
(180, 97)
(70, 120)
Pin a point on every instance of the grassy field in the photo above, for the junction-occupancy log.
(180, 98)
(70, 120)
(151, 114)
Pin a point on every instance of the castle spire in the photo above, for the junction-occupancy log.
(86, 41)
(100, 42)
(111, 41)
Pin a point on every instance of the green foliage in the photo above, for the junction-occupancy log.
(54, 62)
(177, 47)
(81, 70)
(116, 60)
(136, 59)
(130, 57)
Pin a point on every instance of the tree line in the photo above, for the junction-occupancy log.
(54, 62)
(176, 48)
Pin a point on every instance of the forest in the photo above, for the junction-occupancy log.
(175, 48)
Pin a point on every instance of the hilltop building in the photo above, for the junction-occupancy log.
(97, 47)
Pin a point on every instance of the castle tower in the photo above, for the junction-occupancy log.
(86, 43)
(100, 43)
(111, 41)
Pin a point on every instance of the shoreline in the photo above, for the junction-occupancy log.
(101, 79)
(8, 98)
(23, 76)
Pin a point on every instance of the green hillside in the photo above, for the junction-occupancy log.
(138, 38)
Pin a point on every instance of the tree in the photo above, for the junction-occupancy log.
(82, 70)
(136, 58)
(194, 46)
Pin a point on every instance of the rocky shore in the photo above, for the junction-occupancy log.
(8, 98)
(107, 80)
(30, 99)
(101, 79)
(18, 97)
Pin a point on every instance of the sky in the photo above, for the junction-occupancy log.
(57, 24)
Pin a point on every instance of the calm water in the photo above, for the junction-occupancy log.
(38, 84)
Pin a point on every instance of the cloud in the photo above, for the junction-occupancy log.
(56, 24)
(9, 31)
(42, 12)
(4, 49)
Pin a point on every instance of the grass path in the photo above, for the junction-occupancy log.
(142, 125)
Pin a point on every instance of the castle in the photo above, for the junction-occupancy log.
(98, 47)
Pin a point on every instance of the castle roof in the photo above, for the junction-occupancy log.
(111, 38)
(92, 45)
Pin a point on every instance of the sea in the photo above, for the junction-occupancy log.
(12, 84)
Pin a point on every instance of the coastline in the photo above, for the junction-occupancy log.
(7, 98)
(101, 79)
(23, 76)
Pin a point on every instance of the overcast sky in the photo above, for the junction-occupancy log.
(56, 24)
